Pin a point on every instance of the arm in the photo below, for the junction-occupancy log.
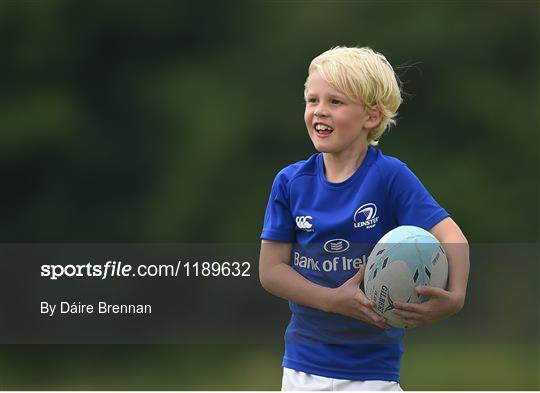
(442, 303)
(280, 279)
(457, 252)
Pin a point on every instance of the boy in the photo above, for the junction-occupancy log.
(315, 242)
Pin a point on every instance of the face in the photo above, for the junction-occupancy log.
(335, 123)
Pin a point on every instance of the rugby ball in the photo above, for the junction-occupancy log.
(403, 259)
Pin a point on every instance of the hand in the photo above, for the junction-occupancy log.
(349, 300)
(441, 304)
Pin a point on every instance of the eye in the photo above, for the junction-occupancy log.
(311, 100)
(336, 102)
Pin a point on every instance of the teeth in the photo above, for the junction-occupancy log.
(322, 127)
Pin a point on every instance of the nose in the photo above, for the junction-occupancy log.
(320, 111)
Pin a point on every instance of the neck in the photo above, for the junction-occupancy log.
(339, 167)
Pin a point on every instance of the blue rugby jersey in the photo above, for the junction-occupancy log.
(333, 227)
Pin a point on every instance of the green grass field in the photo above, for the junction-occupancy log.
(424, 367)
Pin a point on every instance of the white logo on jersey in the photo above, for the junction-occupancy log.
(366, 216)
(303, 223)
(336, 245)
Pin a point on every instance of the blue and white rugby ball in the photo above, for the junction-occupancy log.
(403, 259)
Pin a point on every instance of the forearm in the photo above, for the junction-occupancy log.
(280, 279)
(457, 253)
(285, 282)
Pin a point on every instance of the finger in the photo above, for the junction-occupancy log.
(359, 276)
(410, 323)
(406, 314)
(377, 322)
(377, 319)
(381, 325)
(364, 317)
(415, 307)
(430, 291)
(371, 314)
(364, 300)
(367, 314)
(384, 324)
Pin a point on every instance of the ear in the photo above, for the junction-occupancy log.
(375, 116)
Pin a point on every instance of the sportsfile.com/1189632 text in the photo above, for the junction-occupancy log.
(119, 269)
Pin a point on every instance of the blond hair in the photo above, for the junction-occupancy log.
(364, 76)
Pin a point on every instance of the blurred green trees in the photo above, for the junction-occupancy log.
(125, 121)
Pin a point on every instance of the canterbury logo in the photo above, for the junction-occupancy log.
(303, 223)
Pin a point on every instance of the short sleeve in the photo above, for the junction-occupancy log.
(412, 203)
(278, 221)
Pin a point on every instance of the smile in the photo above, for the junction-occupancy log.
(323, 130)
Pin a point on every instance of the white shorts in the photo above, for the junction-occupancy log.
(298, 380)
